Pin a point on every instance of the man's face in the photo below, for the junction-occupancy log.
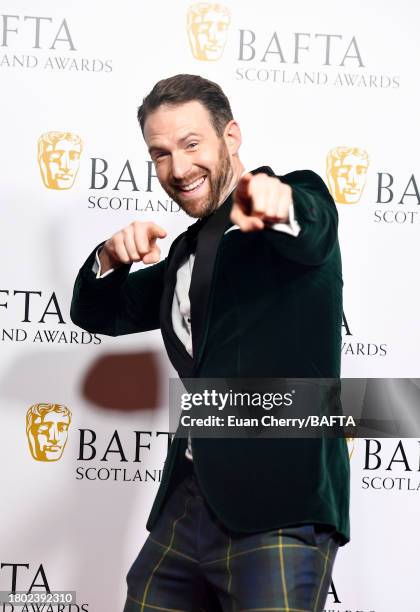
(49, 434)
(349, 177)
(208, 31)
(192, 162)
(61, 163)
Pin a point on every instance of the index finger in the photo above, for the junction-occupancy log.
(155, 231)
(242, 194)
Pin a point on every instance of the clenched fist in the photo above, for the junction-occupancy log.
(136, 242)
(259, 198)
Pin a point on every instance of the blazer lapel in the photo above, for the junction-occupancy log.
(208, 239)
(205, 260)
(177, 353)
(202, 275)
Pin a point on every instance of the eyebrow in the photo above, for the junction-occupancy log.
(154, 148)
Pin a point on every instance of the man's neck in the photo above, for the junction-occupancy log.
(238, 171)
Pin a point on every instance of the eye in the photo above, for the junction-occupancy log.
(343, 170)
(160, 155)
(192, 145)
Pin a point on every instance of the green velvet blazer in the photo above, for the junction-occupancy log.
(264, 304)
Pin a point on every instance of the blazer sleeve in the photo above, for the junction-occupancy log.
(121, 302)
(316, 213)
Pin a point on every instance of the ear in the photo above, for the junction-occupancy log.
(232, 136)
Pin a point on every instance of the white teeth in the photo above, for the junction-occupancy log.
(192, 186)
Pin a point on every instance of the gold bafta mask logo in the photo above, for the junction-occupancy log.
(346, 173)
(59, 158)
(47, 429)
(207, 26)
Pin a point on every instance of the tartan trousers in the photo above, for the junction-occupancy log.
(191, 562)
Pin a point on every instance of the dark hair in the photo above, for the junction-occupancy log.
(186, 88)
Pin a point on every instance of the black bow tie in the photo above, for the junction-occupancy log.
(192, 232)
(220, 216)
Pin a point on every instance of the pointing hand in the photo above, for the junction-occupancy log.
(260, 199)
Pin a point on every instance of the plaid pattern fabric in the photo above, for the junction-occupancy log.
(191, 563)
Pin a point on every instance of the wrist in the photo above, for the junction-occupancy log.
(107, 262)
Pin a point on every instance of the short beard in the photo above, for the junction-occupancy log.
(218, 182)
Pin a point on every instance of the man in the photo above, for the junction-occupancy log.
(251, 290)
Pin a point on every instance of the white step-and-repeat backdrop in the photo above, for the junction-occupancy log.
(328, 86)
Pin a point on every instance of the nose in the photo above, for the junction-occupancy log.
(351, 176)
(181, 166)
(64, 161)
(212, 33)
(53, 433)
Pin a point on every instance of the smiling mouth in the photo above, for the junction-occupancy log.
(192, 187)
